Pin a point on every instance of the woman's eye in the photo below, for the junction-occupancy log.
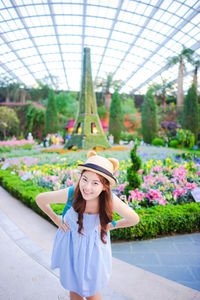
(84, 179)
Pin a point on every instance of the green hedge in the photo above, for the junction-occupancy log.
(155, 221)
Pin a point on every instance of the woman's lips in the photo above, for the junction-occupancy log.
(87, 194)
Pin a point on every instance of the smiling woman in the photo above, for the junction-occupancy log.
(82, 249)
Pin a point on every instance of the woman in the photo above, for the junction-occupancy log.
(82, 249)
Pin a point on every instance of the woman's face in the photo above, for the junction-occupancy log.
(90, 185)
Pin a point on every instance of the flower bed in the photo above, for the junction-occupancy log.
(62, 150)
(165, 181)
(155, 221)
(6, 146)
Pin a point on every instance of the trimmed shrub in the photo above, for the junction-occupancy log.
(158, 142)
(173, 143)
(126, 136)
(161, 220)
(132, 172)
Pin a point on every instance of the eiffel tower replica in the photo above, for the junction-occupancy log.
(88, 132)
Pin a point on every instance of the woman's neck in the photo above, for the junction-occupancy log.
(92, 206)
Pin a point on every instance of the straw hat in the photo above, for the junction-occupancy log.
(100, 165)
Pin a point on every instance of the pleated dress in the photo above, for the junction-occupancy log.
(85, 262)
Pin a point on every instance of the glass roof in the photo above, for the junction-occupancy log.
(130, 39)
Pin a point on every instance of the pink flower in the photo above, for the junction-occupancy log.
(140, 171)
(69, 182)
(179, 192)
(21, 173)
(136, 195)
(191, 186)
(155, 195)
(122, 186)
(157, 169)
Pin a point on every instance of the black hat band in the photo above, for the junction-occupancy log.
(98, 168)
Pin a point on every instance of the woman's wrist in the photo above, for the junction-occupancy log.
(112, 225)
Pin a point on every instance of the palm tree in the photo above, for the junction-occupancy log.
(20, 93)
(162, 90)
(185, 55)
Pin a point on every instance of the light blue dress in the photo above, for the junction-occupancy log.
(85, 262)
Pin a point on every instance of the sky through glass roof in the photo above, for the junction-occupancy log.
(130, 39)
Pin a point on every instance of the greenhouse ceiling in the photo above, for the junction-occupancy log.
(130, 39)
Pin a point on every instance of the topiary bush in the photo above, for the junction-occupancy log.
(158, 142)
(132, 171)
(173, 143)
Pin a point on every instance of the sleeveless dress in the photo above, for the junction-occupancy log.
(85, 262)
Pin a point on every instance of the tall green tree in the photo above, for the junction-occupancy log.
(51, 118)
(190, 111)
(116, 117)
(34, 121)
(40, 93)
(196, 67)
(149, 117)
(185, 55)
(67, 104)
(128, 106)
(9, 122)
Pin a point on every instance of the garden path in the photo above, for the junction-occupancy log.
(26, 241)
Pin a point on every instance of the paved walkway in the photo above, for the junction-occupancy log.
(26, 240)
(176, 258)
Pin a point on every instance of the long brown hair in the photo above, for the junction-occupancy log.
(105, 206)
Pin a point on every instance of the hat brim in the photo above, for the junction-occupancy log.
(111, 178)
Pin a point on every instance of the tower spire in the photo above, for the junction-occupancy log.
(87, 132)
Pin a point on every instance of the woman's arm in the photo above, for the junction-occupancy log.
(44, 200)
(130, 217)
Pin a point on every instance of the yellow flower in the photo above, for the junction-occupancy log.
(159, 162)
(168, 160)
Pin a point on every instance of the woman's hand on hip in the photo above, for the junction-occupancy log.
(58, 221)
